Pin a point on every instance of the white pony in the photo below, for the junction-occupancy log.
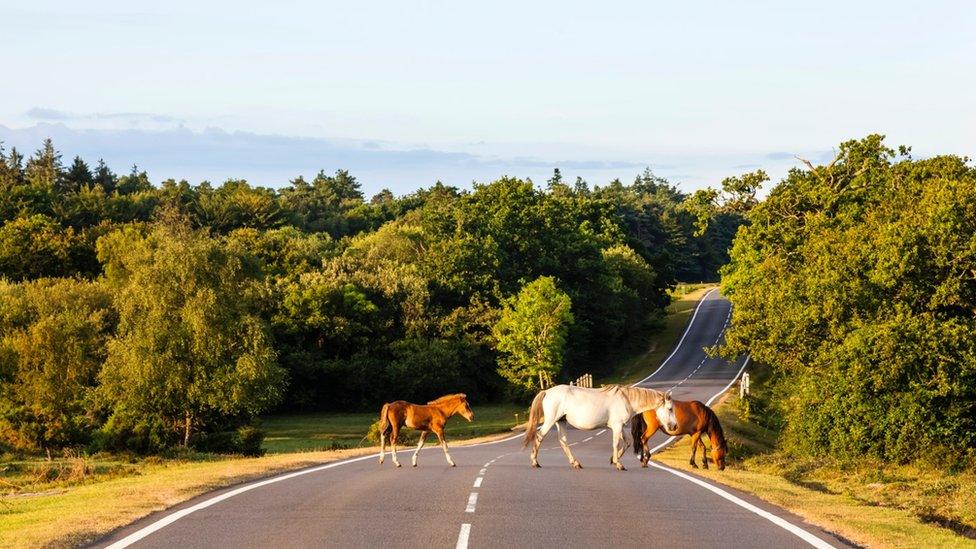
(611, 406)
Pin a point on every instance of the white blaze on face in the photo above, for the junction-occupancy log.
(665, 416)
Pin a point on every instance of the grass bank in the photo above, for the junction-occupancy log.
(869, 503)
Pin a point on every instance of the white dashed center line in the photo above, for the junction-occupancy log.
(477, 482)
(463, 536)
(472, 502)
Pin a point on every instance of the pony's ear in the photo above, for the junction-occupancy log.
(667, 395)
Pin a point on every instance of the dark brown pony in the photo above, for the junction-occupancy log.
(695, 419)
(424, 418)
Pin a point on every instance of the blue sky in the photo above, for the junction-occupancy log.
(405, 93)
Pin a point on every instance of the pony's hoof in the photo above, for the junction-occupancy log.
(537, 466)
(621, 468)
(398, 465)
(453, 465)
(577, 465)
(643, 466)
(414, 464)
(694, 465)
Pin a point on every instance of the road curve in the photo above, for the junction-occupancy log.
(493, 498)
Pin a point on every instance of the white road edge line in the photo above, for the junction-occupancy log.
(682, 340)
(463, 536)
(778, 521)
(177, 515)
(472, 502)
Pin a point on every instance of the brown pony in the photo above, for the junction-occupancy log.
(695, 419)
(424, 418)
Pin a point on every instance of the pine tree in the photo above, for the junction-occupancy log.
(78, 176)
(104, 177)
(44, 169)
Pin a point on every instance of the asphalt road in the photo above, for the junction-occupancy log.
(493, 498)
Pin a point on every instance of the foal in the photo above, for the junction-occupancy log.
(424, 418)
(695, 419)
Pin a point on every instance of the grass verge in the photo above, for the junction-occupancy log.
(871, 504)
(313, 432)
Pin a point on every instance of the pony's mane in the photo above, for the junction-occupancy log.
(447, 398)
(639, 397)
(716, 427)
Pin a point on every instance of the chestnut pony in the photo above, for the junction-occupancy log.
(695, 419)
(424, 418)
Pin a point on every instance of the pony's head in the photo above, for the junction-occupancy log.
(719, 445)
(671, 422)
(464, 408)
(718, 456)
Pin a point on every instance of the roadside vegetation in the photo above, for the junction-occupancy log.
(140, 318)
(869, 501)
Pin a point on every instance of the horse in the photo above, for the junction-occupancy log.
(588, 409)
(424, 418)
(693, 418)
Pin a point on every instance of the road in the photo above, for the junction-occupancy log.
(493, 498)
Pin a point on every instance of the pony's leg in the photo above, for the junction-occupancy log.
(614, 447)
(695, 440)
(393, 442)
(563, 442)
(382, 446)
(440, 437)
(701, 441)
(645, 451)
(546, 427)
(423, 437)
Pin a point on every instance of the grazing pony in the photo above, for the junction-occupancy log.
(611, 406)
(424, 418)
(695, 419)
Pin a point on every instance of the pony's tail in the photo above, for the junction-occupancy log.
(384, 420)
(637, 427)
(535, 417)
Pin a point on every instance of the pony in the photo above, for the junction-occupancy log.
(424, 418)
(693, 418)
(611, 406)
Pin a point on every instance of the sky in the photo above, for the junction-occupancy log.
(407, 93)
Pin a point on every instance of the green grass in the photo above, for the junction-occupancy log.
(632, 368)
(331, 431)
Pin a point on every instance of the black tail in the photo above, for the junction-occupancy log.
(637, 426)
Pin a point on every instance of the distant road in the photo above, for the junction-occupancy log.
(493, 498)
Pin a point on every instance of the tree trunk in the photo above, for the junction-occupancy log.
(187, 426)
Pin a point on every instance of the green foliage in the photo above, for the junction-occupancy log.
(531, 332)
(857, 282)
(359, 301)
(191, 349)
(53, 336)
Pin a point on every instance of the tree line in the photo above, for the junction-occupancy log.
(141, 317)
(856, 282)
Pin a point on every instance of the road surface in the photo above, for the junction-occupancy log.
(493, 498)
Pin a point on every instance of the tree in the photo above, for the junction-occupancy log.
(53, 335)
(531, 333)
(856, 282)
(192, 351)
(36, 246)
(78, 175)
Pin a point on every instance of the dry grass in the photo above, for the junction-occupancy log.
(869, 504)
